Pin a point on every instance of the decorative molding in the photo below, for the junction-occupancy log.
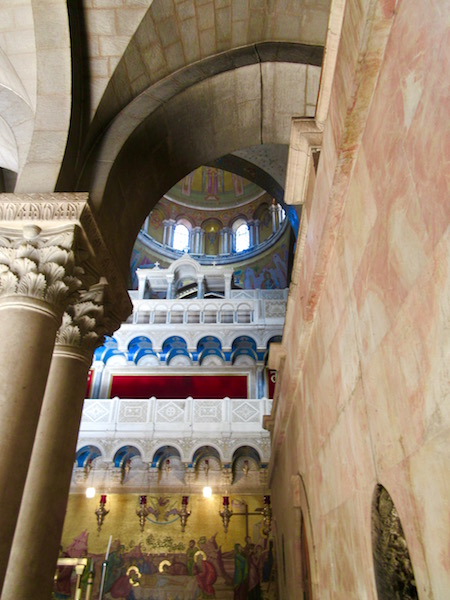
(306, 136)
(43, 207)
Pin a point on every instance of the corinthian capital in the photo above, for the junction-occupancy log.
(39, 265)
(51, 248)
(83, 321)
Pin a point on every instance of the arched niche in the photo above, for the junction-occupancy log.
(86, 455)
(394, 574)
(244, 460)
(212, 229)
(305, 558)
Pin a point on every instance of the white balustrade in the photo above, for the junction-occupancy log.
(166, 417)
(244, 307)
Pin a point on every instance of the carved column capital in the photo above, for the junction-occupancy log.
(51, 249)
(39, 265)
(83, 323)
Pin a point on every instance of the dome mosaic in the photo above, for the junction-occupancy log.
(213, 189)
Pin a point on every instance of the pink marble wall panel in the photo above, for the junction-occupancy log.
(372, 389)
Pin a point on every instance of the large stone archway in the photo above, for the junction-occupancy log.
(232, 111)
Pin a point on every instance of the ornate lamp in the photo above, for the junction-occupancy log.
(142, 512)
(184, 513)
(267, 515)
(226, 513)
(101, 512)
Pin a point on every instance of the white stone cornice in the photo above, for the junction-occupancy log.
(306, 136)
(17, 208)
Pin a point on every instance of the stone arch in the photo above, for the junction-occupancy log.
(170, 141)
(203, 451)
(244, 457)
(87, 453)
(53, 99)
(139, 348)
(305, 556)
(124, 454)
(164, 453)
(209, 346)
(394, 573)
(243, 345)
(17, 118)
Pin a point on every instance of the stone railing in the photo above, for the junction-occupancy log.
(166, 417)
(243, 307)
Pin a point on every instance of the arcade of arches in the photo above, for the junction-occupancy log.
(338, 110)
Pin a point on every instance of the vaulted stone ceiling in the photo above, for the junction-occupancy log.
(158, 88)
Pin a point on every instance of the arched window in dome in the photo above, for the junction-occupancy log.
(242, 237)
(181, 236)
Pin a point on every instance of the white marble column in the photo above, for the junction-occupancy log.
(227, 279)
(201, 241)
(197, 240)
(170, 291)
(226, 236)
(169, 228)
(256, 232)
(41, 518)
(274, 214)
(200, 286)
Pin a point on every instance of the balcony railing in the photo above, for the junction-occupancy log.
(244, 307)
(153, 416)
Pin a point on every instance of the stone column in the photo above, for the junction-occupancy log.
(44, 248)
(197, 239)
(142, 282)
(256, 232)
(274, 214)
(37, 276)
(27, 328)
(169, 228)
(97, 375)
(200, 286)
(251, 232)
(170, 291)
(41, 518)
(201, 241)
(280, 215)
(226, 240)
(227, 286)
(222, 242)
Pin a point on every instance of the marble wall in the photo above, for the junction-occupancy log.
(363, 397)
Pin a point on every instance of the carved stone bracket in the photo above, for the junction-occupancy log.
(306, 136)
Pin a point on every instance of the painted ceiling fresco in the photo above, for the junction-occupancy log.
(210, 187)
